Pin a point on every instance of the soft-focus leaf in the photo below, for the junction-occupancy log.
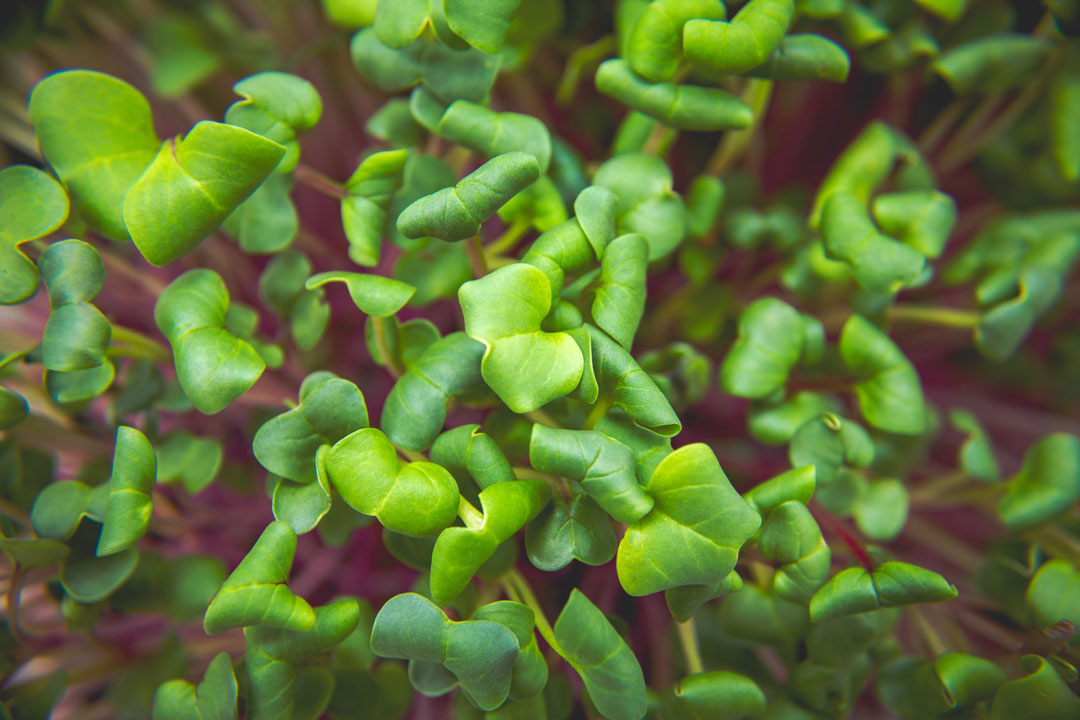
(741, 44)
(467, 450)
(363, 210)
(646, 203)
(655, 42)
(994, 63)
(213, 699)
(485, 131)
(1054, 593)
(278, 106)
(805, 56)
(796, 484)
(375, 295)
(1047, 485)
(195, 461)
(769, 345)
(887, 385)
(76, 335)
(32, 204)
(878, 263)
(791, 537)
(717, 695)
(127, 511)
(976, 456)
(1039, 695)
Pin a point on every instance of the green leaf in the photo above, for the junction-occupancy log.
(693, 534)
(829, 442)
(1002, 328)
(256, 594)
(525, 366)
(390, 68)
(414, 412)
(992, 64)
(680, 371)
(282, 282)
(466, 74)
(683, 602)
(839, 642)
(805, 56)
(756, 615)
(563, 532)
(976, 455)
(393, 123)
(481, 654)
(363, 210)
(1047, 485)
(79, 386)
(655, 42)
(213, 699)
(685, 107)
(460, 551)
(375, 295)
(60, 506)
(646, 203)
(530, 668)
(891, 584)
(1064, 116)
(769, 345)
(278, 687)
(456, 213)
(417, 498)
(127, 512)
(302, 505)
(192, 185)
(483, 24)
(96, 132)
(1039, 695)
(602, 658)
(604, 467)
(776, 424)
(1054, 593)
(882, 509)
(704, 201)
(878, 263)
(742, 44)
(267, 222)
(330, 408)
(922, 219)
(717, 695)
(619, 300)
(77, 335)
(87, 578)
(195, 461)
(180, 58)
(278, 106)
(631, 389)
(567, 249)
(32, 205)
(466, 449)
(796, 484)
(888, 389)
(791, 537)
(485, 131)
(33, 553)
(214, 366)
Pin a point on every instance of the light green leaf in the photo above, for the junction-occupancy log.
(1047, 485)
(72, 388)
(805, 56)
(417, 498)
(32, 205)
(563, 532)
(363, 210)
(796, 484)
(769, 345)
(213, 699)
(776, 424)
(604, 467)
(127, 512)
(214, 366)
(888, 389)
(1040, 695)
(467, 450)
(655, 43)
(525, 366)
(619, 301)
(693, 534)
(891, 584)
(791, 537)
(602, 658)
(1054, 593)
(76, 335)
(96, 132)
(717, 695)
(485, 131)
(829, 442)
(646, 203)
(878, 263)
(976, 455)
(993, 63)
(302, 505)
(922, 219)
(192, 185)
(460, 551)
(278, 106)
(267, 222)
(619, 376)
(742, 44)
(256, 594)
(685, 107)
(481, 23)
(195, 461)
(456, 213)
(330, 408)
(375, 295)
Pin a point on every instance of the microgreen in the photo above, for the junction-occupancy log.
(366, 360)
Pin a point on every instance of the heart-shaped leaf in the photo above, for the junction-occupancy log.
(201, 179)
(1047, 485)
(605, 468)
(741, 44)
(128, 508)
(77, 335)
(460, 551)
(278, 106)
(481, 654)
(417, 499)
(456, 213)
(888, 389)
(642, 183)
(32, 205)
(891, 584)
(363, 209)
(467, 450)
(330, 408)
(256, 594)
(525, 366)
(693, 534)
(96, 132)
(792, 538)
(602, 658)
(563, 532)
(214, 366)
(213, 699)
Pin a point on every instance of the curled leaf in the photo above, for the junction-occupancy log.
(619, 301)
(888, 389)
(1047, 485)
(805, 56)
(879, 263)
(213, 699)
(791, 537)
(891, 584)
(128, 508)
(467, 449)
(32, 205)
(375, 295)
(654, 46)
(741, 44)
(363, 209)
(77, 335)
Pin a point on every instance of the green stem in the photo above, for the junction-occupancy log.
(141, 345)
(515, 584)
(689, 641)
(317, 181)
(756, 94)
(542, 418)
(473, 518)
(412, 455)
(378, 328)
(599, 410)
(477, 259)
(946, 317)
(576, 63)
(508, 239)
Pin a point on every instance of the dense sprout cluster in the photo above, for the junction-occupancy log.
(368, 360)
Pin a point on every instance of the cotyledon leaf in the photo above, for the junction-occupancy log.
(363, 209)
(467, 449)
(214, 698)
(32, 204)
(878, 262)
(77, 334)
(479, 128)
(563, 532)
(891, 584)
(741, 44)
(128, 508)
(791, 537)
(655, 43)
(256, 592)
(619, 301)
(887, 385)
(375, 295)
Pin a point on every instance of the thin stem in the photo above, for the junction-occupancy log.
(508, 239)
(654, 143)
(144, 345)
(945, 317)
(412, 455)
(473, 518)
(319, 182)
(929, 632)
(378, 328)
(576, 63)
(688, 639)
(542, 418)
(756, 94)
(518, 583)
(477, 259)
(942, 124)
(599, 410)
